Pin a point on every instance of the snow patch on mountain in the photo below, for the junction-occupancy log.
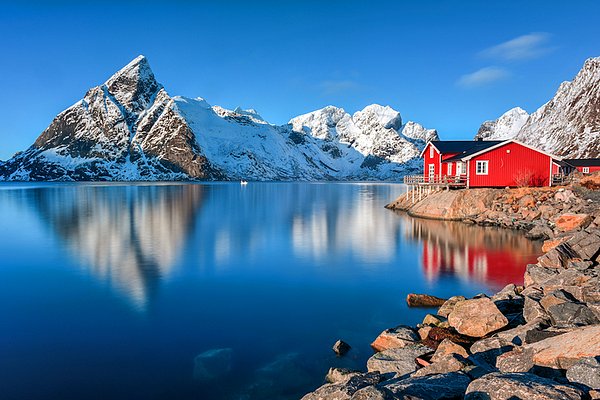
(569, 124)
(507, 126)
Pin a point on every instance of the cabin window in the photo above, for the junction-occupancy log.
(449, 168)
(586, 170)
(481, 168)
(430, 151)
(431, 170)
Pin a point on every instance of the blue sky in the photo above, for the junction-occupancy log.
(446, 64)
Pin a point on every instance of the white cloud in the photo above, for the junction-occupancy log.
(337, 86)
(532, 45)
(483, 77)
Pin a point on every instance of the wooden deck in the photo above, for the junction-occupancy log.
(436, 181)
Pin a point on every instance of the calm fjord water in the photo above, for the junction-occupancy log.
(111, 291)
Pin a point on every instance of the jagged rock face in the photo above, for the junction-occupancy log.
(129, 128)
(506, 127)
(569, 124)
(124, 129)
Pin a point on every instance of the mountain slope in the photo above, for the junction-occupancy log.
(569, 124)
(129, 128)
(507, 126)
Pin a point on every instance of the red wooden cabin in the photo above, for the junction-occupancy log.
(487, 163)
(584, 165)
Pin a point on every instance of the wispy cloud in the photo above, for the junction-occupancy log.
(483, 77)
(525, 47)
(331, 87)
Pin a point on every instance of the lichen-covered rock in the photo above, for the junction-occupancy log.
(345, 390)
(562, 351)
(510, 386)
(448, 347)
(373, 393)
(442, 365)
(340, 375)
(436, 320)
(449, 305)
(586, 372)
(399, 361)
(450, 386)
(569, 222)
(477, 317)
(396, 337)
(488, 350)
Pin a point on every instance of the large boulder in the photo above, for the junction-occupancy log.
(396, 337)
(340, 375)
(442, 365)
(569, 222)
(489, 349)
(477, 317)
(373, 393)
(449, 305)
(448, 347)
(586, 372)
(400, 361)
(511, 386)
(450, 386)
(345, 390)
(562, 351)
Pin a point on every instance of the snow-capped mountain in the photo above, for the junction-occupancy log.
(568, 125)
(130, 128)
(506, 127)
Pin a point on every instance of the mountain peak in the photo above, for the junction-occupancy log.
(386, 116)
(134, 85)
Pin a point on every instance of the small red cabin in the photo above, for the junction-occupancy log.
(488, 163)
(584, 165)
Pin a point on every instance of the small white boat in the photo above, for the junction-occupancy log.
(243, 183)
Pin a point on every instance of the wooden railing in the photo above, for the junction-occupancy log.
(561, 179)
(436, 180)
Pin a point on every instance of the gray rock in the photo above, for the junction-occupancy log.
(533, 312)
(538, 275)
(340, 375)
(517, 336)
(400, 361)
(572, 314)
(448, 363)
(512, 386)
(488, 350)
(373, 393)
(212, 364)
(540, 232)
(448, 386)
(344, 391)
(341, 348)
(520, 359)
(448, 306)
(586, 372)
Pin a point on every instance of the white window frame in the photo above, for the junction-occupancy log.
(461, 168)
(431, 172)
(484, 167)
(449, 169)
(585, 170)
(430, 151)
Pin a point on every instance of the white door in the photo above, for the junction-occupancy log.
(431, 172)
(449, 169)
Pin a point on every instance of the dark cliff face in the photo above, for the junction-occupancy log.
(125, 129)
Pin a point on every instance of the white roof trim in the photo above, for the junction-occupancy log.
(425, 148)
(510, 141)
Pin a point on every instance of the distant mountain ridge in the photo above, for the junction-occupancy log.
(568, 125)
(130, 128)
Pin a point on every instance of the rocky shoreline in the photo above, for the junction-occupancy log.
(537, 341)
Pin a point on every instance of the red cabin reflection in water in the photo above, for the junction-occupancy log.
(493, 256)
